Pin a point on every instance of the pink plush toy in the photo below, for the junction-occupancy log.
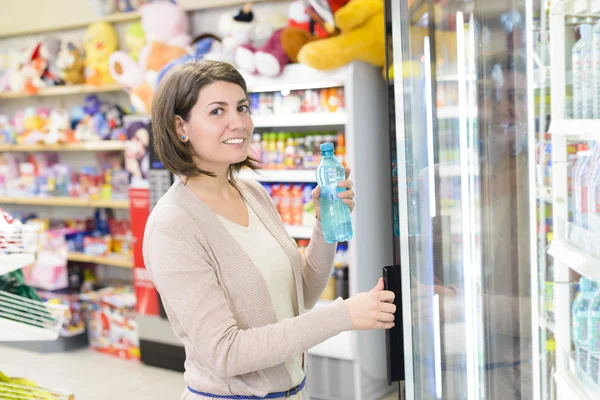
(269, 60)
(166, 29)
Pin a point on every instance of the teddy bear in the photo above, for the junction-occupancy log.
(70, 63)
(362, 38)
(165, 27)
(99, 43)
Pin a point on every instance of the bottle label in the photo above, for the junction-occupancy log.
(580, 328)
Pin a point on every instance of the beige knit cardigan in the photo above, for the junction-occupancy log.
(217, 300)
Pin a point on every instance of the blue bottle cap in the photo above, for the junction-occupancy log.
(327, 147)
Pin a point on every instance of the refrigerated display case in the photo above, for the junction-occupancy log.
(461, 79)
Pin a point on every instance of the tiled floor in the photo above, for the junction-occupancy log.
(93, 376)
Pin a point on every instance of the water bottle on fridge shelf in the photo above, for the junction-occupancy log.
(593, 191)
(580, 322)
(596, 70)
(588, 75)
(581, 54)
(335, 215)
(580, 173)
(594, 333)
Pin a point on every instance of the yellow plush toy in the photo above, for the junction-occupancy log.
(362, 38)
(100, 42)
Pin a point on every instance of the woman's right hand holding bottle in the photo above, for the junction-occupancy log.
(373, 309)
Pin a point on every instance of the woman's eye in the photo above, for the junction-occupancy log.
(244, 109)
(217, 111)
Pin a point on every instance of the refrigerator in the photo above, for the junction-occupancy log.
(462, 135)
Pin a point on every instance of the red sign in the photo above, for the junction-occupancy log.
(139, 210)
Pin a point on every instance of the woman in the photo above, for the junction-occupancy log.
(233, 283)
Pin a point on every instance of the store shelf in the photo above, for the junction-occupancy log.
(13, 262)
(280, 175)
(300, 120)
(64, 202)
(78, 22)
(567, 382)
(582, 129)
(296, 77)
(299, 232)
(64, 90)
(114, 260)
(576, 259)
(105, 145)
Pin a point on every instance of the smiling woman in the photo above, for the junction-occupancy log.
(233, 282)
(201, 120)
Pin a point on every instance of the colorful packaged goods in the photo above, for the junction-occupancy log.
(110, 317)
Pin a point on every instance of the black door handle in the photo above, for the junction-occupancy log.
(394, 338)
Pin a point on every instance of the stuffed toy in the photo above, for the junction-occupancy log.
(33, 70)
(70, 64)
(49, 52)
(234, 31)
(135, 39)
(99, 43)
(165, 22)
(59, 126)
(203, 45)
(362, 38)
(165, 28)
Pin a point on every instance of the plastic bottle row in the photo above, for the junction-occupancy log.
(298, 101)
(293, 150)
(586, 328)
(586, 71)
(585, 183)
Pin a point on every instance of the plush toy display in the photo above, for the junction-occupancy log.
(70, 64)
(165, 27)
(362, 38)
(99, 43)
(58, 126)
(135, 39)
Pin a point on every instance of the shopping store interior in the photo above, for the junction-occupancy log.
(78, 176)
(471, 128)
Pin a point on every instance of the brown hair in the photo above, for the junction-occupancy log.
(176, 95)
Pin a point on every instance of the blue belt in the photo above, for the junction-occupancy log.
(275, 395)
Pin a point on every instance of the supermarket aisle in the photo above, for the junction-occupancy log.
(94, 376)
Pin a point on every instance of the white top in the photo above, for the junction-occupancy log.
(269, 257)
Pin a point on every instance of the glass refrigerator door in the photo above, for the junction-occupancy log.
(461, 110)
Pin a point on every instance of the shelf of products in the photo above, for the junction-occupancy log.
(104, 145)
(65, 90)
(65, 202)
(113, 260)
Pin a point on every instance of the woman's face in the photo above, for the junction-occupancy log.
(220, 126)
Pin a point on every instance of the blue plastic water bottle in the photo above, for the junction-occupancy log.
(335, 215)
